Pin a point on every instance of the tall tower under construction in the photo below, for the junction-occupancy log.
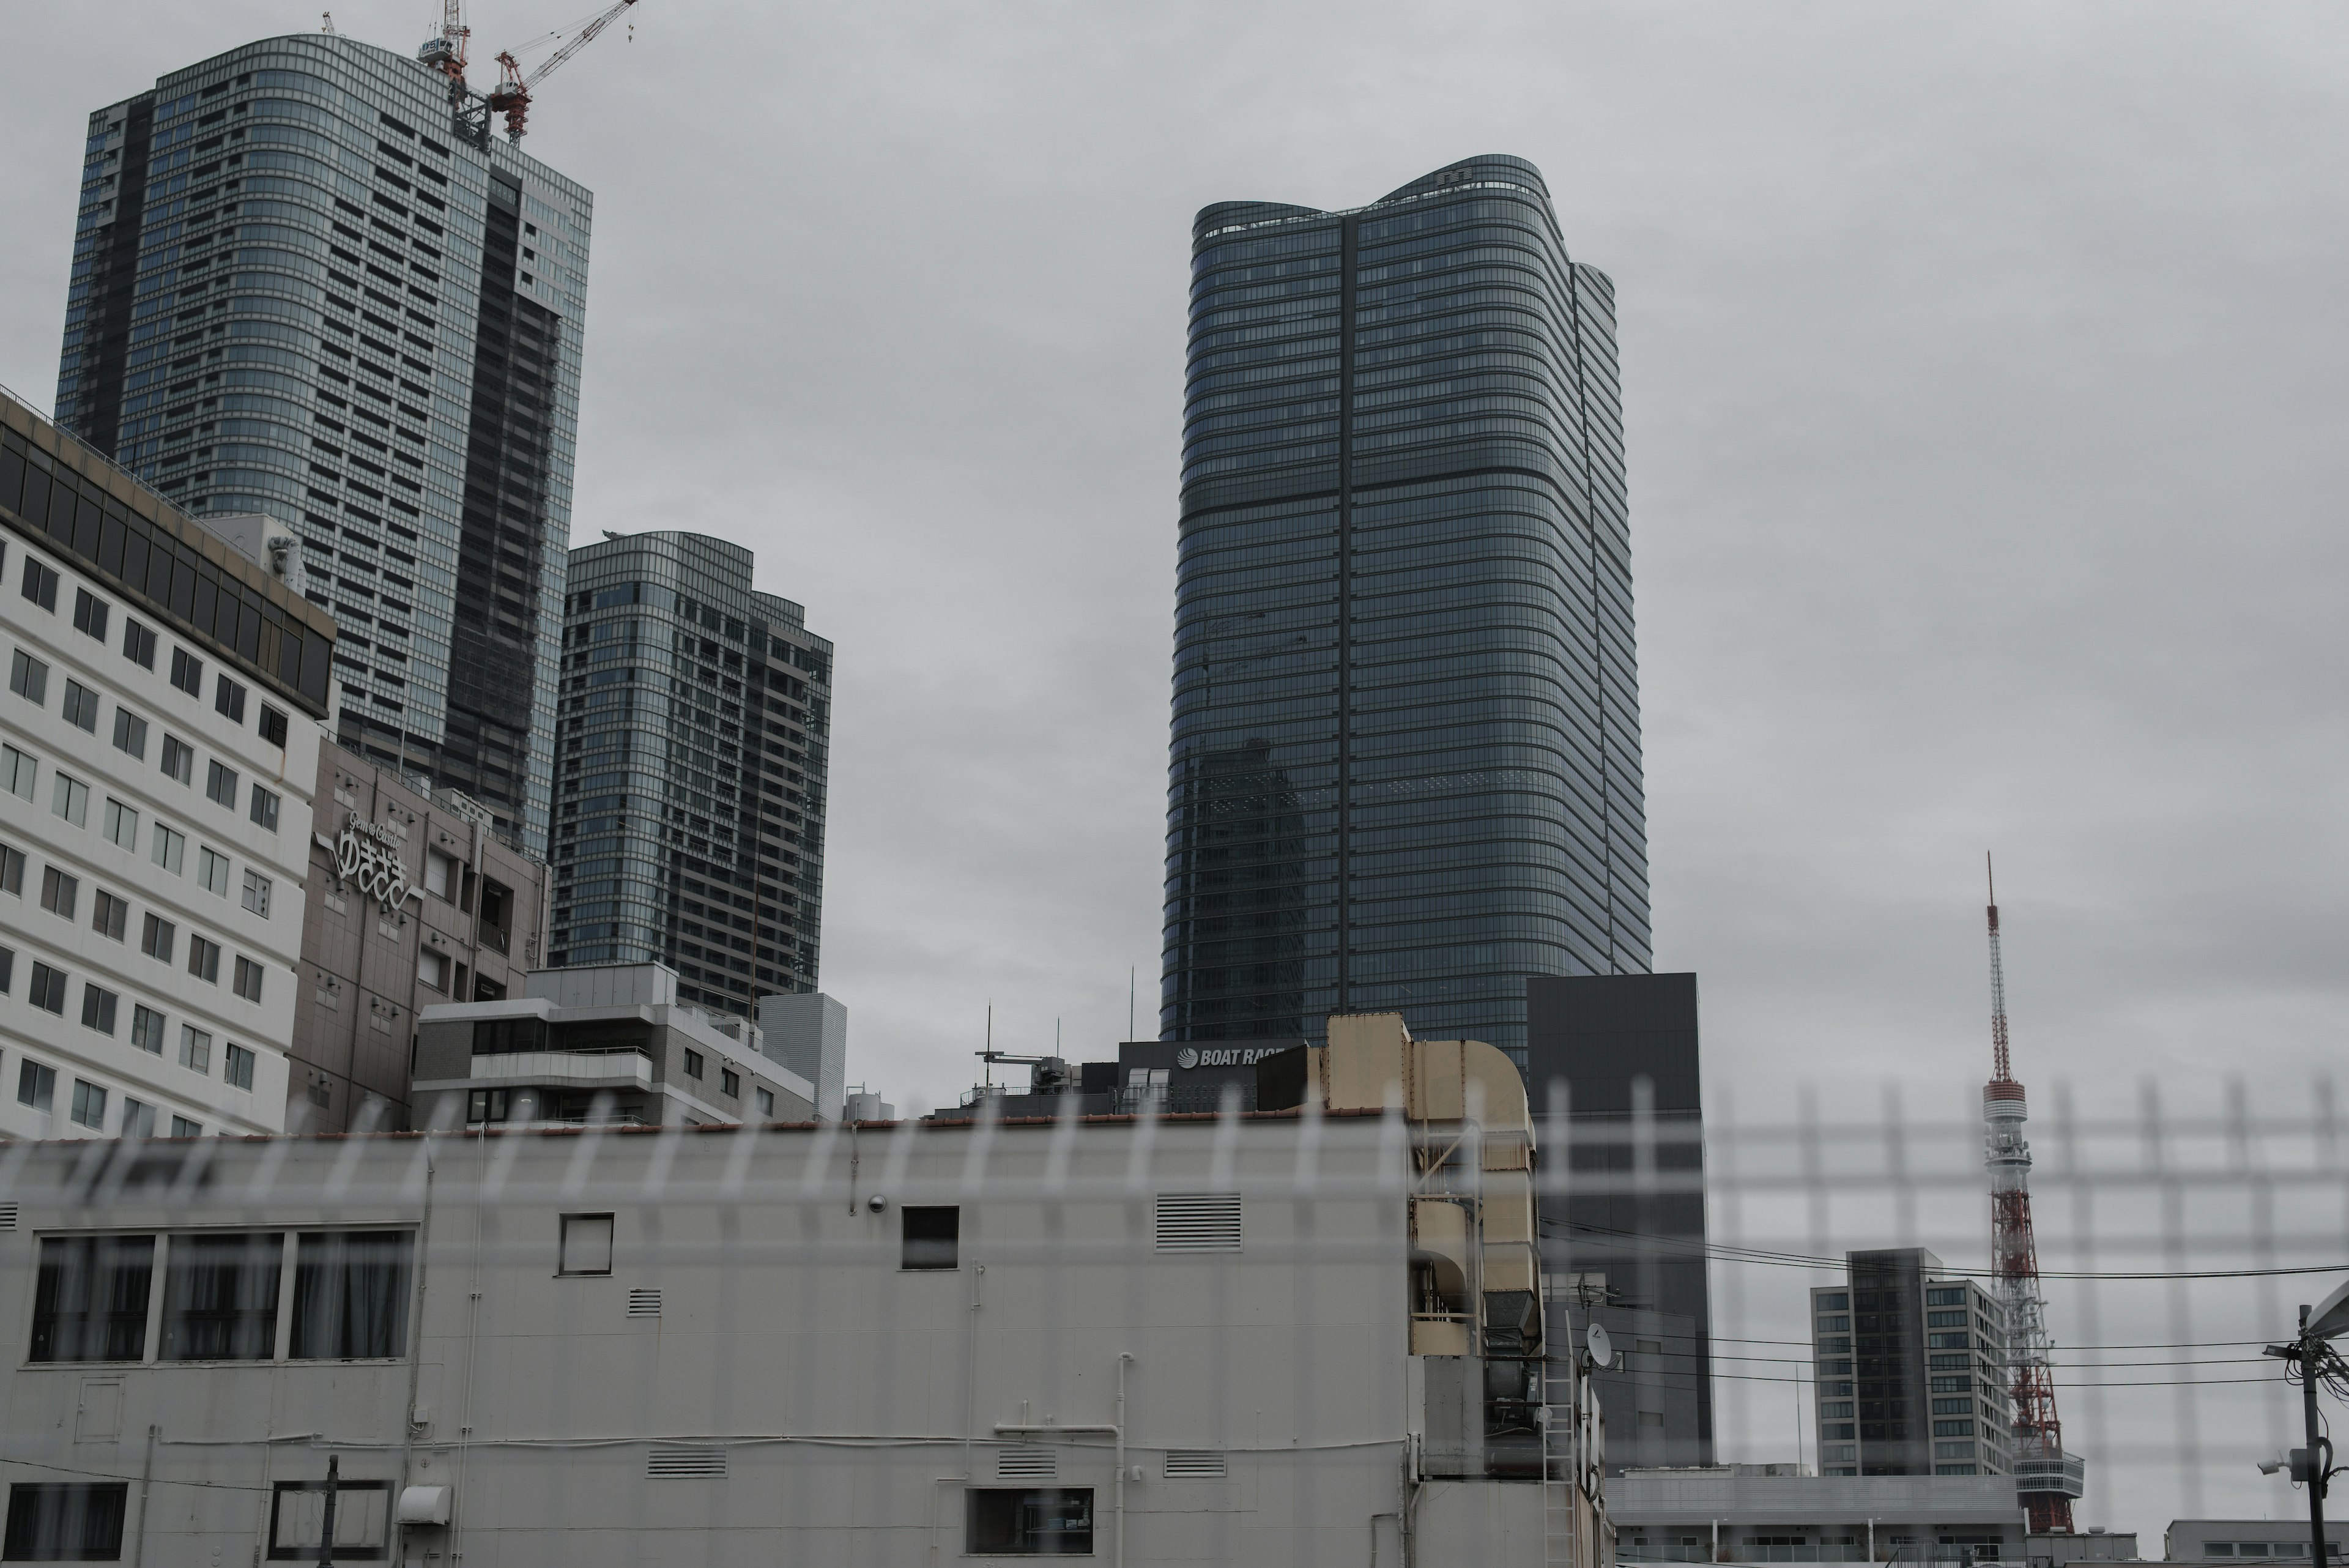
(303, 286)
(2046, 1478)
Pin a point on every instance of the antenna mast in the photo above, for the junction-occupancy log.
(2046, 1479)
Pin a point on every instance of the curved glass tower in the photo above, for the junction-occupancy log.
(1405, 763)
(301, 287)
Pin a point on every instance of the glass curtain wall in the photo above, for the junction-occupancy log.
(696, 725)
(1404, 771)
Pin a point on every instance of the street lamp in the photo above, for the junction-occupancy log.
(2317, 1358)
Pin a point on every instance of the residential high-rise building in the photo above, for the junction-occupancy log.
(1911, 1370)
(299, 287)
(1404, 771)
(162, 742)
(696, 738)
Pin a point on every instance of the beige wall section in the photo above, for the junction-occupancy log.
(360, 980)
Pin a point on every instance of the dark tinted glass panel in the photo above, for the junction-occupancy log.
(90, 1301)
(219, 1297)
(350, 1294)
(65, 1521)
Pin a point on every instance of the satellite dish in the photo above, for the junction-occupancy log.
(1602, 1352)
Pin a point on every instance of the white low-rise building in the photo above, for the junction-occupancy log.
(161, 754)
(1297, 1335)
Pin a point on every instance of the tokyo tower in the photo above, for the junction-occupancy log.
(2046, 1478)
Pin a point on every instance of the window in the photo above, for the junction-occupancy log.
(586, 1245)
(8, 969)
(1945, 1295)
(929, 1237)
(187, 672)
(182, 1127)
(121, 825)
(138, 1118)
(195, 1048)
(36, 1085)
(693, 1064)
(65, 1521)
(211, 871)
(69, 798)
(59, 892)
(130, 733)
(147, 1030)
(237, 1070)
(767, 1103)
(171, 848)
(90, 1301)
(297, 1522)
(16, 771)
(256, 893)
(248, 979)
(432, 969)
(228, 699)
(109, 916)
(48, 992)
(89, 1105)
(40, 584)
(1047, 1523)
(81, 706)
(89, 613)
(219, 784)
(179, 760)
(12, 871)
(730, 1083)
(265, 808)
(157, 936)
(440, 874)
(137, 644)
(203, 958)
(350, 1296)
(29, 678)
(219, 1297)
(273, 725)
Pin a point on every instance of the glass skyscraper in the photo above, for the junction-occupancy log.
(695, 740)
(300, 287)
(1405, 772)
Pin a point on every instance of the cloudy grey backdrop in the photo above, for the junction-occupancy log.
(1983, 371)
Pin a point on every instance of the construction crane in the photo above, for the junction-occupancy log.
(446, 53)
(511, 96)
(2046, 1478)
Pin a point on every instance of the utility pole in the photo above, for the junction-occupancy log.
(2312, 1466)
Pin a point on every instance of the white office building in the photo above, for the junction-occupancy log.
(1308, 1334)
(160, 751)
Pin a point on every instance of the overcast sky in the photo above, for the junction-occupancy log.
(1983, 370)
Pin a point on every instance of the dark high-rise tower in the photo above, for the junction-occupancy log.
(301, 287)
(1406, 761)
(696, 738)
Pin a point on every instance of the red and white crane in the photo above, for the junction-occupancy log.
(447, 51)
(2046, 1478)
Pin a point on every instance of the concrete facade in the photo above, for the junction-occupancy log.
(807, 1031)
(605, 1042)
(1720, 1514)
(1194, 1339)
(154, 807)
(469, 923)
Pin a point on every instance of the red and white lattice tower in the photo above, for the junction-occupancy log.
(2046, 1478)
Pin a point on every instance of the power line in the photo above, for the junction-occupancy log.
(1682, 1247)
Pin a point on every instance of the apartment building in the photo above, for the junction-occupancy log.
(161, 748)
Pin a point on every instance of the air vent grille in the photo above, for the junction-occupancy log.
(686, 1464)
(1027, 1463)
(1194, 1464)
(1198, 1222)
(644, 1303)
(7, 1217)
